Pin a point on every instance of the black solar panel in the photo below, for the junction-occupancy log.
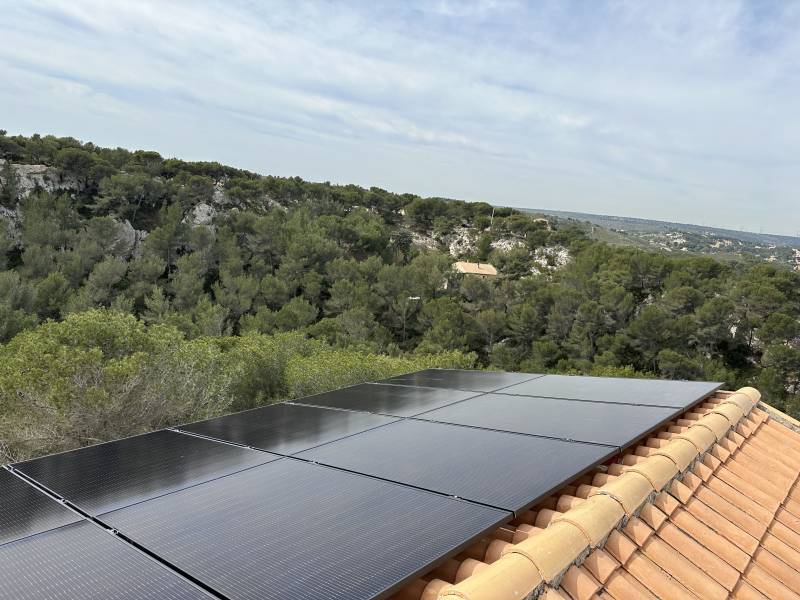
(80, 561)
(293, 530)
(478, 381)
(287, 428)
(650, 392)
(108, 476)
(25, 511)
(400, 401)
(505, 470)
(612, 424)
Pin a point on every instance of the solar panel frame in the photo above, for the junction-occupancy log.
(361, 537)
(80, 560)
(493, 467)
(616, 390)
(387, 399)
(558, 424)
(106, 476)
(26, 511)
(461, 379)
(287, 428)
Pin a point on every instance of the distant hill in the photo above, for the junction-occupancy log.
(631, 224)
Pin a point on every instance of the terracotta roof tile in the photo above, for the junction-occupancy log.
(623, 586)
(594, 518)
(579, 583)
(745, 591)
(729, 511)
(620, 547)
(654, 579)
(638, 531)
(683, 570)
(769, 586)
(601, 565)
(782, 550)
(630, 491)
(708, 507)
(777, 568)
(723, 526)
(788, 519)
(659, 470)
(468, 568)
(554, 594)
(702, 557)
(711, 539)
(651, 515)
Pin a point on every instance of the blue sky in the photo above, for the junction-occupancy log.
(684, 111)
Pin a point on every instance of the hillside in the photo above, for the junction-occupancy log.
(683, 237)
(138, 291)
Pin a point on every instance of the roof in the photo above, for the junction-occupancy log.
(471, 268)
(707, 507)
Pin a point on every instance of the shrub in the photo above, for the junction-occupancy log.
(102, 375)
(330, 368)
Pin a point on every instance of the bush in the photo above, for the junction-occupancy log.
(83, 380)
(102, 375)
(331, 368)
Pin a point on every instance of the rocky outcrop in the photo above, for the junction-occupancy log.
(549, 258)
(128, 241)
(202, 214)
(507, 244)
(32, 177)
(9, 221)
(461, 241)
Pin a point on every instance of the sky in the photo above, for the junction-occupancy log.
(684, 111)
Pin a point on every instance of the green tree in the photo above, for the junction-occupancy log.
(295, 314)
(51, 295)
(166, 240)
(125, 194)
(674, 365)
(235, 294)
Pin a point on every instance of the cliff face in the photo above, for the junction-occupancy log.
(31, 177)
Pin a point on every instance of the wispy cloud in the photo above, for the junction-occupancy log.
(683, 111)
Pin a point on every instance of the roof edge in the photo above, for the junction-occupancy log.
(780, 417)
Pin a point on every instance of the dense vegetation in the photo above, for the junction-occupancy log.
(107, 331)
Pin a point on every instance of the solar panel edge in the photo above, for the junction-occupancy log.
(491, 518)
(514, 512)
(287, 401)
(18, 464)
(51, 505)
(677, 412)
(409, 384)
(203, 449)
(82, 517)
(508, 431)
(710, 387)
(90, 525)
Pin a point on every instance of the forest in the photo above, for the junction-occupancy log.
(139, 292)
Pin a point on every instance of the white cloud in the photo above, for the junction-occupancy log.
(673, 110)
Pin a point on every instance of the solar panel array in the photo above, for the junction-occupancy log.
(347, 494)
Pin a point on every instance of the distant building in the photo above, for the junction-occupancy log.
(479, 269)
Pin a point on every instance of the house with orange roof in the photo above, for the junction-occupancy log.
(479, 269)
